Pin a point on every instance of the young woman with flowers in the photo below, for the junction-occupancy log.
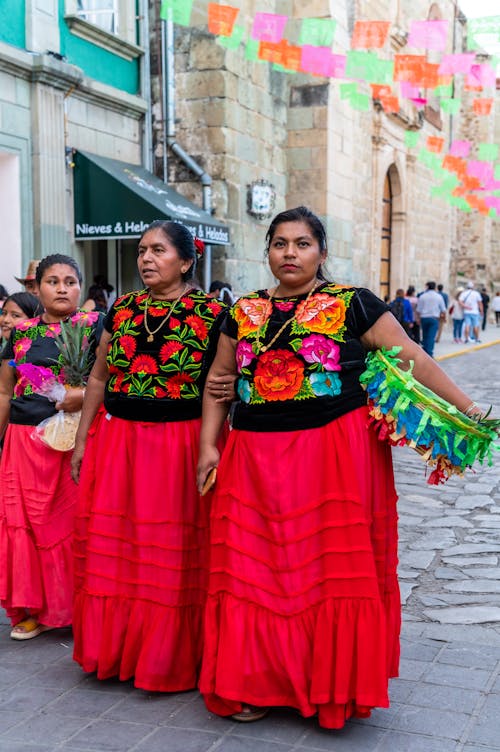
(142, 528)
(303, 603)
(37, 494)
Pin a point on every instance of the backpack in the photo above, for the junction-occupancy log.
(398, 310)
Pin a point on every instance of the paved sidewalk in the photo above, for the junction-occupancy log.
(447, 698)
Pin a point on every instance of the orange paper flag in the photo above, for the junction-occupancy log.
(435, 144)
(482, 106)
(221, 19)
(409, 68)
(368, 34)
(390, 104)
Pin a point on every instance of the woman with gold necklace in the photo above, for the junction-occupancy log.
(142, 529)
(303, 604)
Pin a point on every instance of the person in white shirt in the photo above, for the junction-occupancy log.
(472, 305)
(430, 309)
(495, 306)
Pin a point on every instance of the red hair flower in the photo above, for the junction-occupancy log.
(200, 246)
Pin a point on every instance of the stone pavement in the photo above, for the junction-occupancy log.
(447, 698)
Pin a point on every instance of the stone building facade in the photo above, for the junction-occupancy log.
(243, 120)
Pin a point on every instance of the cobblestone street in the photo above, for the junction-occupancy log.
(447, 698)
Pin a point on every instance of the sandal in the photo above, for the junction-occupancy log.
(249, 713)
(27, 629)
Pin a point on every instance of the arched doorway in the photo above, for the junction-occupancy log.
(386, 239)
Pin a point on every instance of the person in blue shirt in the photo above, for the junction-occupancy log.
(402, 309)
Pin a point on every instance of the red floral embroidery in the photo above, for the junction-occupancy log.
(139, 320)
(174, 385)
(278, 375)
(188, 303)
(196, 356)
(197, 325)
(122, 315)
(128, 345)
(169, 349)
(214, 307)
(174, 323)
(141, 298)
(154, 311)
(144, 364)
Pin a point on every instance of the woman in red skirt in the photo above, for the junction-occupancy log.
(37, 495)
(142, 530)
(303, 606)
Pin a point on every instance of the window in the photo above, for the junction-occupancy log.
(103, 13)
(111, 24)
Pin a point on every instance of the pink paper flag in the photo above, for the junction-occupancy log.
(481, 170)
(408, 90)
(481, 75)
(338, 66)
(268, 27)
(431, 35)
(456, 63)
(460, 148)
(493, 202)
(317, 60)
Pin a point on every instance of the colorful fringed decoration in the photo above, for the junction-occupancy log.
(406, 413)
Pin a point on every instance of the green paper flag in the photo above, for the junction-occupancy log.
(487, 152)
(445, 90)
(361, 102)
(367, 66)
(318, 32)
(411, 138)
(497, 177)
(252, 49)
(451, 106)
(234, 41)
(429, 159)
(348, 90)
(178, 11)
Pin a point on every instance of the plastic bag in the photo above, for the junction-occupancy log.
(59, 431)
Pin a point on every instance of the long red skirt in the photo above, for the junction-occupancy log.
(303, 607)
(141, 549)
(37, 507)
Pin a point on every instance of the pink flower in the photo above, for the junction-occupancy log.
(284, 305)
(318, 349)
(21, 347)
(244, 354)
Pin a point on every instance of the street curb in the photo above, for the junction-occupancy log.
(468, 350)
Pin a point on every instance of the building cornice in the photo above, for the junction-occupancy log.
(92, 33)
(47, 69)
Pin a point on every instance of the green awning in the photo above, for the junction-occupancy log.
(115, 199)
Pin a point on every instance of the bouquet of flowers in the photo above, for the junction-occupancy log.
(59, 431)
(406, 413)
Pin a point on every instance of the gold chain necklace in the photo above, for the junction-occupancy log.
(164, 321)
(264, 348)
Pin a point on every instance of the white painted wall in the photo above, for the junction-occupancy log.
(10, 222)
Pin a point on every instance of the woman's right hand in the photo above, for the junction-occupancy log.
(76, 460)
(209, 458)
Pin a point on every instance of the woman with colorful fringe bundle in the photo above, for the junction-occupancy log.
(37, 494)
(303, 605)
(142, 529)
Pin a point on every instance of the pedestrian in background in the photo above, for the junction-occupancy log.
(472, 305)
(401, 309)
(29, 280)
(3, 295)
(303, 607)
(430, 309)
(415, 330)
(485, 298)
(16, 308)
(37, 495)
(442, 319)
(496, 307)
(457, 316)
(141, 551)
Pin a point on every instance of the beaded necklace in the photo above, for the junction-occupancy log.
(264, 348)
(164, 321)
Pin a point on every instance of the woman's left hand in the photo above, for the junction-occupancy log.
(73, 400)
(222, 388)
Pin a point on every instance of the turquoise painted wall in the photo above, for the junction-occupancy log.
(12, 29)
(96, 62)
